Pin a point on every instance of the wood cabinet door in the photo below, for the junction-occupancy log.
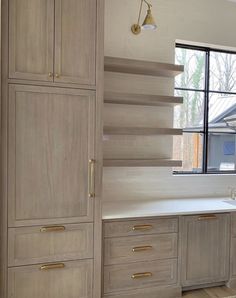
(62, 280)
(75, 41)
(51, 139)
(31, 38)
(205, 249)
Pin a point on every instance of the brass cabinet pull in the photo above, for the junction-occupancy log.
(207, 217)
(50, 74)
(91, 178)
(53, 229)
(142, 227)
(142, 248)
(52, 266)
(141, 275)
(57, 76)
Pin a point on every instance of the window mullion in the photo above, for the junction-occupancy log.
(206, 113)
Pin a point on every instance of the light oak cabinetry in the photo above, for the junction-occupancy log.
(68, 279)
(205, 249)
(139, 255)
(51, 148)
(51, 140)
(53, 40)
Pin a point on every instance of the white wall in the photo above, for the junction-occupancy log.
(202, 21)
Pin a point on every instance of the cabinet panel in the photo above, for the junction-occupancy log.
(51, 139)
(140, 227)
(75, 41)
(72, 281)
(205, 249)
(33, 245)
(139, 275)
(139, 248)
(31, 25)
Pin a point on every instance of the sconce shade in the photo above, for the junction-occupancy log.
(149, 23)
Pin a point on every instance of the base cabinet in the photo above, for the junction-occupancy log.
(205, 249)
(59, 280)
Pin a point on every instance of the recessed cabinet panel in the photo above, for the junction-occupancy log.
(69, 279)
(51, 133)
(75, 41)
(31, 25)
(33, 245)
(205, 249)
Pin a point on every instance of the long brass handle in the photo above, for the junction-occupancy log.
(142, 248)
(207, 217)
(91, 178)
(53, 229)
(142, 227)
(141, 275)
(52, 266)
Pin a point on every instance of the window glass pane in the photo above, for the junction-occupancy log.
(222, 109)
(221, 152)
(188, 148)
(194, 68)
(189, 116)
(222, 72)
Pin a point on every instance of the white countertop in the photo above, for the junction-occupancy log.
(149, 208)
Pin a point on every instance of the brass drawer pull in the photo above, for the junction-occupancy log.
(207, 217)
(52, 229)
(52, 266)
(142, 227)
(141, 275)
(50, 74)
(57, 76)
(142, 248)
(91, 178)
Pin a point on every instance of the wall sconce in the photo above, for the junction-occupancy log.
(148, 23)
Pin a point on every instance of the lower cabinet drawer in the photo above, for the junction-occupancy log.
(34, 245)
(139, 275)
(140, 248)
(61, 280)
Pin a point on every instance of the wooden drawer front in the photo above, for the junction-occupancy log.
(140, 248)
(233, 224)
(140, 227)
(49, 244)
(122, 277)
(72, 281)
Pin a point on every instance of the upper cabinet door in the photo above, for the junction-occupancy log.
(75, 41)
(31, 38)
(51, 140)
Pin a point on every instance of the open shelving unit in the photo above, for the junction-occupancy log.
(145, 68)
(140, 67)
(141, 99)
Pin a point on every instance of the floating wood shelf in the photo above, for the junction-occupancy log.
(141, 163)
(142, 131)
(141, 99)
(140, 67)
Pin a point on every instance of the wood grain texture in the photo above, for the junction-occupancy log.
(127, 228)
(119, 277)
(32, 246)
(31, 25)
(142, 163)
(160, 292)
(30, 281)
(51, 139)
(205, 250)
(112, 130)
(123, 65)
(122, 249)
(75, 41)
(141, 99)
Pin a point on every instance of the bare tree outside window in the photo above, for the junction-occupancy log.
(208, 86)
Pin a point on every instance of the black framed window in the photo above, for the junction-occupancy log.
(208, 115)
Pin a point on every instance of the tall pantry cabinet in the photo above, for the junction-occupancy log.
(51, 156)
